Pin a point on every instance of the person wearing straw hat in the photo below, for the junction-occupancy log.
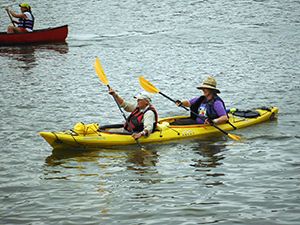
(143, 117)
(210, 107)
(26, 20)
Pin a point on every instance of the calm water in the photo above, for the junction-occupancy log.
(250, 47)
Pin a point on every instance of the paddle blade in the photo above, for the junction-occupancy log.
(147, 85)
(146, 151)
(235, 137)
(100, 72)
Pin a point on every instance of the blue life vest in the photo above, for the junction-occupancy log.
(211, 112)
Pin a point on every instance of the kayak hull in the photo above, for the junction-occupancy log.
(55, 34)
(165, 132)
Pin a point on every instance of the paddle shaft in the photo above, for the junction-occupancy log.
(120, 108)
(11, 18)
(137, 140)
(103, 78)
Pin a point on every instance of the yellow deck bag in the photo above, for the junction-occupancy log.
(81, 128)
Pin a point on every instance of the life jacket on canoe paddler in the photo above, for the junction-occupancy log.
(143, 118)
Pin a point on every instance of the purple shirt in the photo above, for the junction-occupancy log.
(218, 107)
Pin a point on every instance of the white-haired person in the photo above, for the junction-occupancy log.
(26, 20)
(143, 117)
(207, 108)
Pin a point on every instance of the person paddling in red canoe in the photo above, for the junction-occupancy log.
(26, 20)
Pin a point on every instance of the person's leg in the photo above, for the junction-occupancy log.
(12, 29)
(118, 130)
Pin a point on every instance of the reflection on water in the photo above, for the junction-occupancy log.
(27, 53)
(104, 158)
(144, 166)
(61, 156)
(210, 157)
(60, 47)
(106, 164)
(20, 53)
(137, 157)
(141, 159)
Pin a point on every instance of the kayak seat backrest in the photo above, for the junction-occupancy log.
(246, 113)
(162, 126)
(104, 127)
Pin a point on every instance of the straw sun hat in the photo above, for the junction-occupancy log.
(209, 83)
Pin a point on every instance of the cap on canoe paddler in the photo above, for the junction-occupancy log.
(209, 83)
(24, 5)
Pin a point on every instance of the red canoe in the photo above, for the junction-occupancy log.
(37, 36)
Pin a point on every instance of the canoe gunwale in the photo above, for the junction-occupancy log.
(35, 31)
(48, 35)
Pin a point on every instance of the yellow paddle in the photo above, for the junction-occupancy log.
(152, 89)
(103, 78)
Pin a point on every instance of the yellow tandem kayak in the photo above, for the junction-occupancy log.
(92, 136)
